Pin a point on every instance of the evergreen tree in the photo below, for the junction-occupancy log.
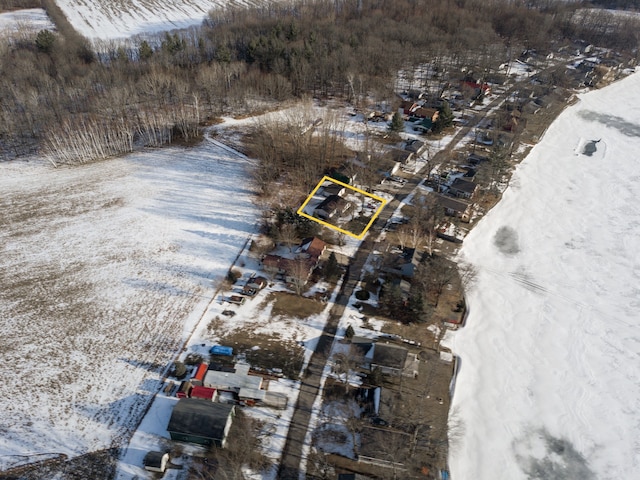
(145, 51)
(45, 40)
(445, 118)
(445, 115)
(179, 370)
(331, 268)
(416, 306)
(397, 123)
(350, 332)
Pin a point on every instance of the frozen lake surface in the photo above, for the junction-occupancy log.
(549, 385)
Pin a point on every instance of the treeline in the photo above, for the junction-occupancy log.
(57, 92)
(8, 5)
(617, 4)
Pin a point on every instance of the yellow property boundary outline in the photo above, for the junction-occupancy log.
(358, 236)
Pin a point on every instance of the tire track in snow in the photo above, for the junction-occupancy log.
(527, 283)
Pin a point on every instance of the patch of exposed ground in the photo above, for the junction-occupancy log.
(269, 352)
(290, 305)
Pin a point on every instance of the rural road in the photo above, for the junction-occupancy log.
(310, 387)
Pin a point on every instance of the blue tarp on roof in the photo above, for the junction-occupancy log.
(220, 350)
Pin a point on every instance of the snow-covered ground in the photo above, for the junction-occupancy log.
(106, 269)
(112, 20)
(549, 382)
(27, 20)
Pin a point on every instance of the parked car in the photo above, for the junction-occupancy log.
(228, 313)
(379, 422)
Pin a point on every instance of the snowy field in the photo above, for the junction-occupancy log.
(549, 383)
(26, 20)
(111, 20)
(106, 270)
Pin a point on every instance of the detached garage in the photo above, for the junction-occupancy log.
(204, 423)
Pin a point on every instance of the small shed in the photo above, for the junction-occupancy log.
(156, 461)
(200, 373)
(205, 393)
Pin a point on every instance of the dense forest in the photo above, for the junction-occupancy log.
(74, 101)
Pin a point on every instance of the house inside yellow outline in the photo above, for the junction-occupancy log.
(334, 203)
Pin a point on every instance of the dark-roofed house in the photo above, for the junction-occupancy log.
(404, 265)
(415, 146)
(400, 155)
(394, 360)
(455, 208)
(463, 188)
(361, 345)
(204, 423)
(389, 358)
(331, 206)
(331, 188)
(387, 167)
(428, 113)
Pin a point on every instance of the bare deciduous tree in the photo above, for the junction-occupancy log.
(288, 235)
(298, 272)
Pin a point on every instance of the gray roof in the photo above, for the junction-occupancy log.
(252, 393)
(333, 189)
(414, 146)
(387, 355)
(464, 185)
(452, 204)
(362, 344)
(399, 155)
(200, 418)
(229, 380)
(331, 204)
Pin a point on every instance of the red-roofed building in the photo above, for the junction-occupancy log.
(414, 109)
(477, 87)
(206, 393)
(199, 375)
